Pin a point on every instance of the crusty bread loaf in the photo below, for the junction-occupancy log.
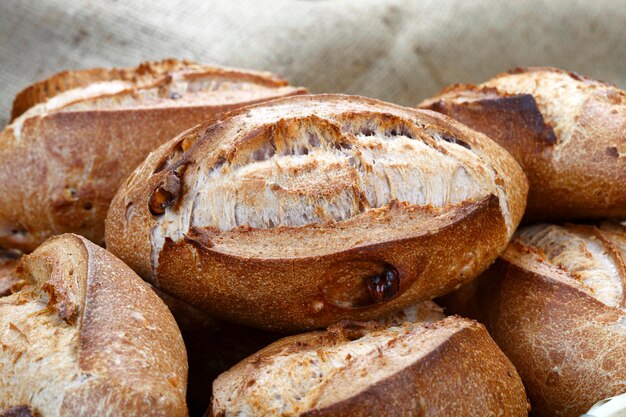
(554, 302)
(450, 367)
(77, 135)
(88, 337)
(304, 211)
(568, 133)
(214, 346)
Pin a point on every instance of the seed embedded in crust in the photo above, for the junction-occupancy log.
(165, 195)
(384, 286)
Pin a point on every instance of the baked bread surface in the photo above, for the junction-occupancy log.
(304, 211)
(554, 303)
(77, 135)
(88, 337)
(447, 367)
(568, 133)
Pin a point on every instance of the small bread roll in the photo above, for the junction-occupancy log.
(448, 367)
(555, 303)
(568, 133)
(87, 337)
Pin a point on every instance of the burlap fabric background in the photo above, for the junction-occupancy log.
(397, 50)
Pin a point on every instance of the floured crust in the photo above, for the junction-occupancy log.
(369, 369)
(88, 337)
(77, 135)
(557, 322)
(316, 263)
(567, 131)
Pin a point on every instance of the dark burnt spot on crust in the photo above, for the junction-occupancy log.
(384, 286)
(19, 411)
(165, 195)
(449, 138)
(576, 76)
(515, 110)
(612, 152)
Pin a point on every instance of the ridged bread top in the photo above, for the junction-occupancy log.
(301, 164)
(592, 258)
(360, 369)
(150, 85)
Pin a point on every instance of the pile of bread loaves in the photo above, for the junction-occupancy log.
(272, 253)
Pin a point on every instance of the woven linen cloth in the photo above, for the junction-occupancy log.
(398, 50)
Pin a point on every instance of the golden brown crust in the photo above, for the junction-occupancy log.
(67, 162)
(567, 345)
(454, 366)
(68, 80)
(572, 149)
(325, 278)
(116, 346)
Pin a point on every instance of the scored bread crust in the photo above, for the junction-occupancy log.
(294, 276)
(568, 133)
(449, 367)
(62, 158)
(568, 346)
(88, 337)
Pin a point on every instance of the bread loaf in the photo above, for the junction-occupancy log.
(449, 367)
(77, 135)
(568, 133)
(87, 337)
(554, 302)
(304, 211)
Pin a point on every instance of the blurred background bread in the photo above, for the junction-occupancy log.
(77, 135)
(568, 133)
(554, 302)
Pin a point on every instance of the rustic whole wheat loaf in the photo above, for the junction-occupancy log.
(304, 211)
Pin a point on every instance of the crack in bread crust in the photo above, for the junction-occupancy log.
(593, 256)
(324, 168)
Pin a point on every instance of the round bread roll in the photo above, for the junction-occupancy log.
(87, 337)
(568, 133)
(555, 303)
(449, 367)
(77, 135)
(304, 211)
